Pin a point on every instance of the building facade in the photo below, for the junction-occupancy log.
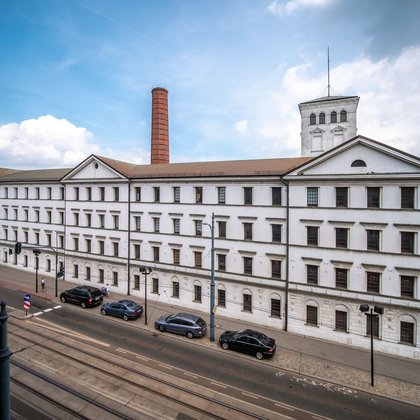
(299, 243)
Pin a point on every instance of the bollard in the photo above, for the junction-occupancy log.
(4, 366)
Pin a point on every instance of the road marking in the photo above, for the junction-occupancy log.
(217, 384)
(121, 350)
(166, 366)
(38, 313)
(141, 357)
(48, 310)
(57, 307)
(247, 394)
(285, 406)
(190, 374)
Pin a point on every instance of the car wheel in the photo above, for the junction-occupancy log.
(125, 317)
(225, 345)
(103, 312)
(63, 299)
(84, 305)
(190, 334)
(259, 355)
(162, 328)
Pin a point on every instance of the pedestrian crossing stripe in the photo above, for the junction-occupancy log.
(46, 310)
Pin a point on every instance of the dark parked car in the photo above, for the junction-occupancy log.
(248, 341)
(182, 323)
(125, 309)
(82, 295)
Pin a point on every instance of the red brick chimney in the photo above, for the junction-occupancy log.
(160, 127)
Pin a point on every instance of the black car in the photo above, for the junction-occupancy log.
(125, 309)
(82, 295)
(248, 341)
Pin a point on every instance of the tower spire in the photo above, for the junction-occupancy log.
(328, 55)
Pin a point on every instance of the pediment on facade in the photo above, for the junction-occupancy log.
(93, 168)
(317, 131)
(339, 129)
(361, 156)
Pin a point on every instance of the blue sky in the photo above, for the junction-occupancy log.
(76, 75)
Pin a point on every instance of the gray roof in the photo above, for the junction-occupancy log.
(328, 98)
(35, 175)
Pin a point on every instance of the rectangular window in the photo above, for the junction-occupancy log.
(115, 278)
(136, 282)
(87, 273)
(156, 255)
(176, 256)
(175, 289)
(407, 332)
(198, 256)
(177, 194)
(155, 285)
(248, 196)
(37, 193)
(137, 221)
(60, 241)
(275, 269)
(311, 315)
(116, 221)
(88, 219)
(341, 196)
(76, 219)
(48, 268)
(48, 216)
(248, 231)
(221, 262)
(276, 233)
(312, 274)
(275, 308)
(27, 192)
(221, 195)
(407, 242)
(76, 193)
(198, 194)
(407, 286)
(137, 251)
(156, 224)
(116, 193)
(101, 275)
(138, 193)
(62, 193)
(375, 326)
(407, 197)
(247, 303)
(341, 321)
(49, 240)
(61, 216)
(276, 196)
(373, 282)
(176, 226)
(156, 194)
(341, 235)
(102, 220)
(373, 239)
(76, 244)
(198, 227)
(312, 196)
(248, 265)
(36, 238)
(197, 293)
(102, 193)
(312, 234)
(89, 193)
(373, 197)
(221, 298)
(25, 215)
(101, 247)
(88, 244)
(75, 271)
(341, 275)
(222, 229)
(115, 247)
(36, 215)
(49, 193)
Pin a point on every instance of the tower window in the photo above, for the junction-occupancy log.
(322, 118)
(312, 119)
(343, 116)
(333, 117)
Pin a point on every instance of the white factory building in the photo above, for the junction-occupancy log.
(299, 243)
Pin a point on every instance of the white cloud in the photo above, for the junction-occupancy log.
(289, 7)
(241, 126)
(44, 142)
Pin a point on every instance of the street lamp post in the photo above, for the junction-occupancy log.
(374, 313)
(145, 270)
(36, 252)
(212, 281)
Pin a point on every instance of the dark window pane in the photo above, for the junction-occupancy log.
(341, 197)
(373, 197)
(322, 118)
(311, 315)
(276, 196)
(407, 242)
(341, 321)
(275, 269)
(407, 332)
(247, 303)
(341, 237)
(312, 235)
(373, 240)
(275, 307)
(341, 278)
(333, 117)
(373, 282)
(407, 286)
(312, 119)
(375, 325)
(247, 265)
(221, 298)
(343, 116)
(407, 197)
(248, 195)
(276, 233)
(312, 274)
(312, 196)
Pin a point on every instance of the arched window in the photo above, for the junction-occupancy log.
(312, 119)
(333, 117)
(343, 116)
(322, 118)
(358, 163)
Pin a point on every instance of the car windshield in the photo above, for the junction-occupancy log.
(200, 322)
(132, 305)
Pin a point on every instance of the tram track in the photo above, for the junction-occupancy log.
(188, 399)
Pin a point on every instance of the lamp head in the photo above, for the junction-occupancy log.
(364, 307)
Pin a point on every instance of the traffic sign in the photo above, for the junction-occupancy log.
(26, 302)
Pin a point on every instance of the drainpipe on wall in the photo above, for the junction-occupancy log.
(129, 238)
(286, 298)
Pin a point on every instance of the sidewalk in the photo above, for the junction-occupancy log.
(325, 362)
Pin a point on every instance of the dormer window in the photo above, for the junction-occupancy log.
(312, 119)
(343, 116)
(333, 117)
(322, 118)
(358, 163)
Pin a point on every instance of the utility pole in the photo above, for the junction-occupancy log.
(212, 280)
(4, 366)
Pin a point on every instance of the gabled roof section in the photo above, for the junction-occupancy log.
(36, 175)
(7, 171)
(97, 168)
(379, 157)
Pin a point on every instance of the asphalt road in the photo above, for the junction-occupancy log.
(237, 372)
